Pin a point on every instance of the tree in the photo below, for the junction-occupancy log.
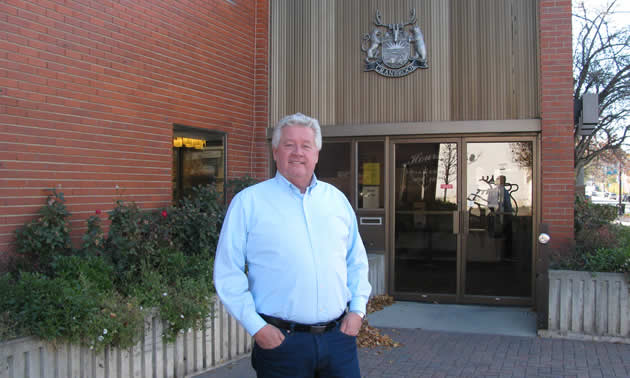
(448, 160)
(601, 65)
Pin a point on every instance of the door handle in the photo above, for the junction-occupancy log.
(466, 222)
(455, 222)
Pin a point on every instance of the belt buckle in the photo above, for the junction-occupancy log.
(317, 329)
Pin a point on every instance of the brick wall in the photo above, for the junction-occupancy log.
(90, 90)
(558, 178)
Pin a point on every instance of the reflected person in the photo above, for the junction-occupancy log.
(506, 214)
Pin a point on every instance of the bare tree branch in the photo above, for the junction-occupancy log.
(602, 65)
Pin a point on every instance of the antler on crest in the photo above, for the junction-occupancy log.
(377, 19)
(412, 17)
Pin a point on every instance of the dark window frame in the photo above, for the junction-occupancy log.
(180, 130)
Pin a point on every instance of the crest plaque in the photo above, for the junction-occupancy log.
(393, 51)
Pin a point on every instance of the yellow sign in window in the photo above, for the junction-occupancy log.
(371, 173)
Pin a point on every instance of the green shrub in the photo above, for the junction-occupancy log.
(600, 245)
(235, 185)
(129, 241)
(10, 327)
(598, 260)
(45, 237)
(180, 286)
(75, 304)
(196, 222)
(590, 216)
(94, 238)
(99, 294)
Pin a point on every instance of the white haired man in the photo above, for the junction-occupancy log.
(291, 266)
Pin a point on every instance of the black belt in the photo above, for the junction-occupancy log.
(298, 327)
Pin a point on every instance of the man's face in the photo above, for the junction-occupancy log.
(297, 155)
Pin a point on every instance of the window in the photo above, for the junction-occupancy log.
(334, 166)
(371, 162)
(198, 159)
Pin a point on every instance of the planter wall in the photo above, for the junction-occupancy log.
(588, 305)
(222, 340)
(377, 273)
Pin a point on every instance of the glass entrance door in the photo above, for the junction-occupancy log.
(498, 223)
(462, 218)
(426, 221)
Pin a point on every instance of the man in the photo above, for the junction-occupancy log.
(291, 266)
(506, 212)
(506, 201)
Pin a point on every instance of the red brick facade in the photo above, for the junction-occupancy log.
(91, 89)
(556, 83)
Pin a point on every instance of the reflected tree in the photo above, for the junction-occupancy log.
(448, 163)
(523, 155)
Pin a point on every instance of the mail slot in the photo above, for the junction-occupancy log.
(371, 221)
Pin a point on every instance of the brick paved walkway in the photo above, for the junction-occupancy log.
(449, 354)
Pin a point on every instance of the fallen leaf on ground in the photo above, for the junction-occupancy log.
(379, 302)
(370, 337)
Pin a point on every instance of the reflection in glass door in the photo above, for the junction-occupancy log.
(425, 218)
(498, 219)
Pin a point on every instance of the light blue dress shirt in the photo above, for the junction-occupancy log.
(305, 259)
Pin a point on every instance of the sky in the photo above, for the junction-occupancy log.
(622, 9)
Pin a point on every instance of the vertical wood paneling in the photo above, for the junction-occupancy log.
(278, 61)
(20, 363)
(482, 56)
(589, 304)
(377, 273)
(198, 347)
(189, 352)
(168, 359)
(594, 304)
(99, 365)
(577, 313)
(157, 362)
(179, 355)
(216, 334)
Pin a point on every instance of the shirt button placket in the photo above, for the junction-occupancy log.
(309, 228)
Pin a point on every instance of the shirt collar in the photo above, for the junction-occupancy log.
(280, 178)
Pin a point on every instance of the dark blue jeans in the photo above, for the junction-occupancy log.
(301, 354)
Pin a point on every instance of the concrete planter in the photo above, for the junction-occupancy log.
(222, 340)
(588, 306)
(377, 274)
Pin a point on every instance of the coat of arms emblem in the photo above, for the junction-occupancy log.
(394, 51)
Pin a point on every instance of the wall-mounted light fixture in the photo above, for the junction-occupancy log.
(198, 144)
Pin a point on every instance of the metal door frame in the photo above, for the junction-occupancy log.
(428, 297)
(461, 141)
(502, 300)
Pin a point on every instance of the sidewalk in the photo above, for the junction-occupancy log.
(456, 341)
(449, 354)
